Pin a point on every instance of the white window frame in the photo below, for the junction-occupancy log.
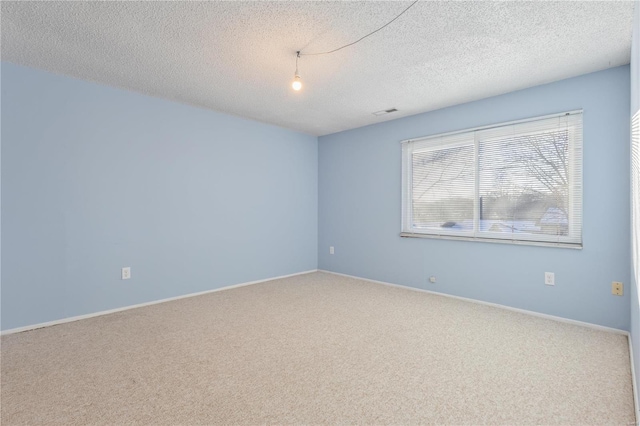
(475, 136)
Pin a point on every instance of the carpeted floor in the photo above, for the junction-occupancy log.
(317, 348)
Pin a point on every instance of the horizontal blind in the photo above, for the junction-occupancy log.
(519, 182)
(442, 185)
(635, 193)
(530, 178)
(443, 188)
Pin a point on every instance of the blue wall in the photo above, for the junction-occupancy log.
(96, 178)
(635, 105)
(360, 208)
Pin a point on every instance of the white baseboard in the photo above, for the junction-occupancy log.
(140, 305)
(634, 382)
(495, 305)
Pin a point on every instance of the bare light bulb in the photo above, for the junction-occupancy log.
(297, 83)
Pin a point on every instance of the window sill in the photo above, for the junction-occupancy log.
(494, 240)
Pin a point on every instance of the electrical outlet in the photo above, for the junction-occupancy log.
(432, 279)
(549, 278)
(331, 250)
(126, 273)
(617, 288)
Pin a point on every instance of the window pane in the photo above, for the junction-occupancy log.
(524, 184)
(443, 189)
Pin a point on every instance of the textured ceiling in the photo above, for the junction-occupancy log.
(239, 57)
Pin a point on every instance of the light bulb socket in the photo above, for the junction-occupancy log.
(297, 81)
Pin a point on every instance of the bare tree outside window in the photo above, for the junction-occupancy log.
(524, 183)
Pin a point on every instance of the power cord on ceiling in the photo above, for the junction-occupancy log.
(358, 40)
(297, 81)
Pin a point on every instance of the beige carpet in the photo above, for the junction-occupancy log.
(317, 348)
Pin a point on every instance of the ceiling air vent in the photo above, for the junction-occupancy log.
(386, 111)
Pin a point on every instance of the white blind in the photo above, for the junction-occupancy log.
(635, 192)
(443, 186)
(520, 182)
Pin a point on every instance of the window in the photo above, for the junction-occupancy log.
(635, 194)
(517, 182)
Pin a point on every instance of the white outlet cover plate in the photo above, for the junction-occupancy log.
(549, 278)
(126, 273)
